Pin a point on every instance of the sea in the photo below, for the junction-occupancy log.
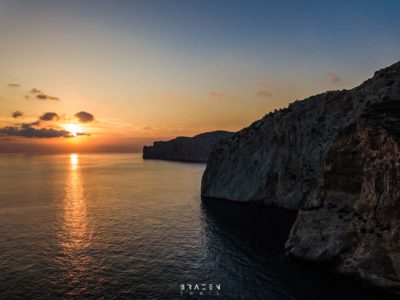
(115, 226)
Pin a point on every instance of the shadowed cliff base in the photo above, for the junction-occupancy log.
(274, 222)
(249, 239)
(335, 157)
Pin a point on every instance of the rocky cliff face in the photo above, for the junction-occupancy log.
(336, 158)
(356, 224)
(195, 149)
(278, 159)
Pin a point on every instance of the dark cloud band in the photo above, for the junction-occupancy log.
(31, 132)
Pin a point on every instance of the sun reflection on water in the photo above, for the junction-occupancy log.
(77, 233)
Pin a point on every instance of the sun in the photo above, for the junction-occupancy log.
(74, 129)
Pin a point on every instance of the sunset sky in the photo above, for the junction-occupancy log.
(115, 75)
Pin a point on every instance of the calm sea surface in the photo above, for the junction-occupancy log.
(116, 227)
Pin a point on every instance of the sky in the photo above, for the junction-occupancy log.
(140, 71)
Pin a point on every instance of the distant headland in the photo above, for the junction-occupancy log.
(188, 149)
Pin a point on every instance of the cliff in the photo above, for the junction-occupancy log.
(278, 159)
(356, 224)
(335, 158)
(194, 149)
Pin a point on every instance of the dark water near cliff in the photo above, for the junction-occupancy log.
(115, 226)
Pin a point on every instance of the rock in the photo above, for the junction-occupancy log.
(278, 160)
(356, 226)
(335, 158)
(193, 149)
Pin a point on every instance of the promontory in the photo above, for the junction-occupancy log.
(334, 157)
(189, 149)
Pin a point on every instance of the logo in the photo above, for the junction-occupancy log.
(200, 289)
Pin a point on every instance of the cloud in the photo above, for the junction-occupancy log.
(216, 94)
(35, 130)
(263, 94)
(17, 114)
(46, 97)
(26, 130)
(14, 85)
(25, 125)
(333, 77)
(49, 116)
(84, 117)
(41, 95)
(36, 91)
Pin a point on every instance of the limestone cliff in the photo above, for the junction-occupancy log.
(335, 157)
(278, 159)
(194, 149)
(356, 226)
